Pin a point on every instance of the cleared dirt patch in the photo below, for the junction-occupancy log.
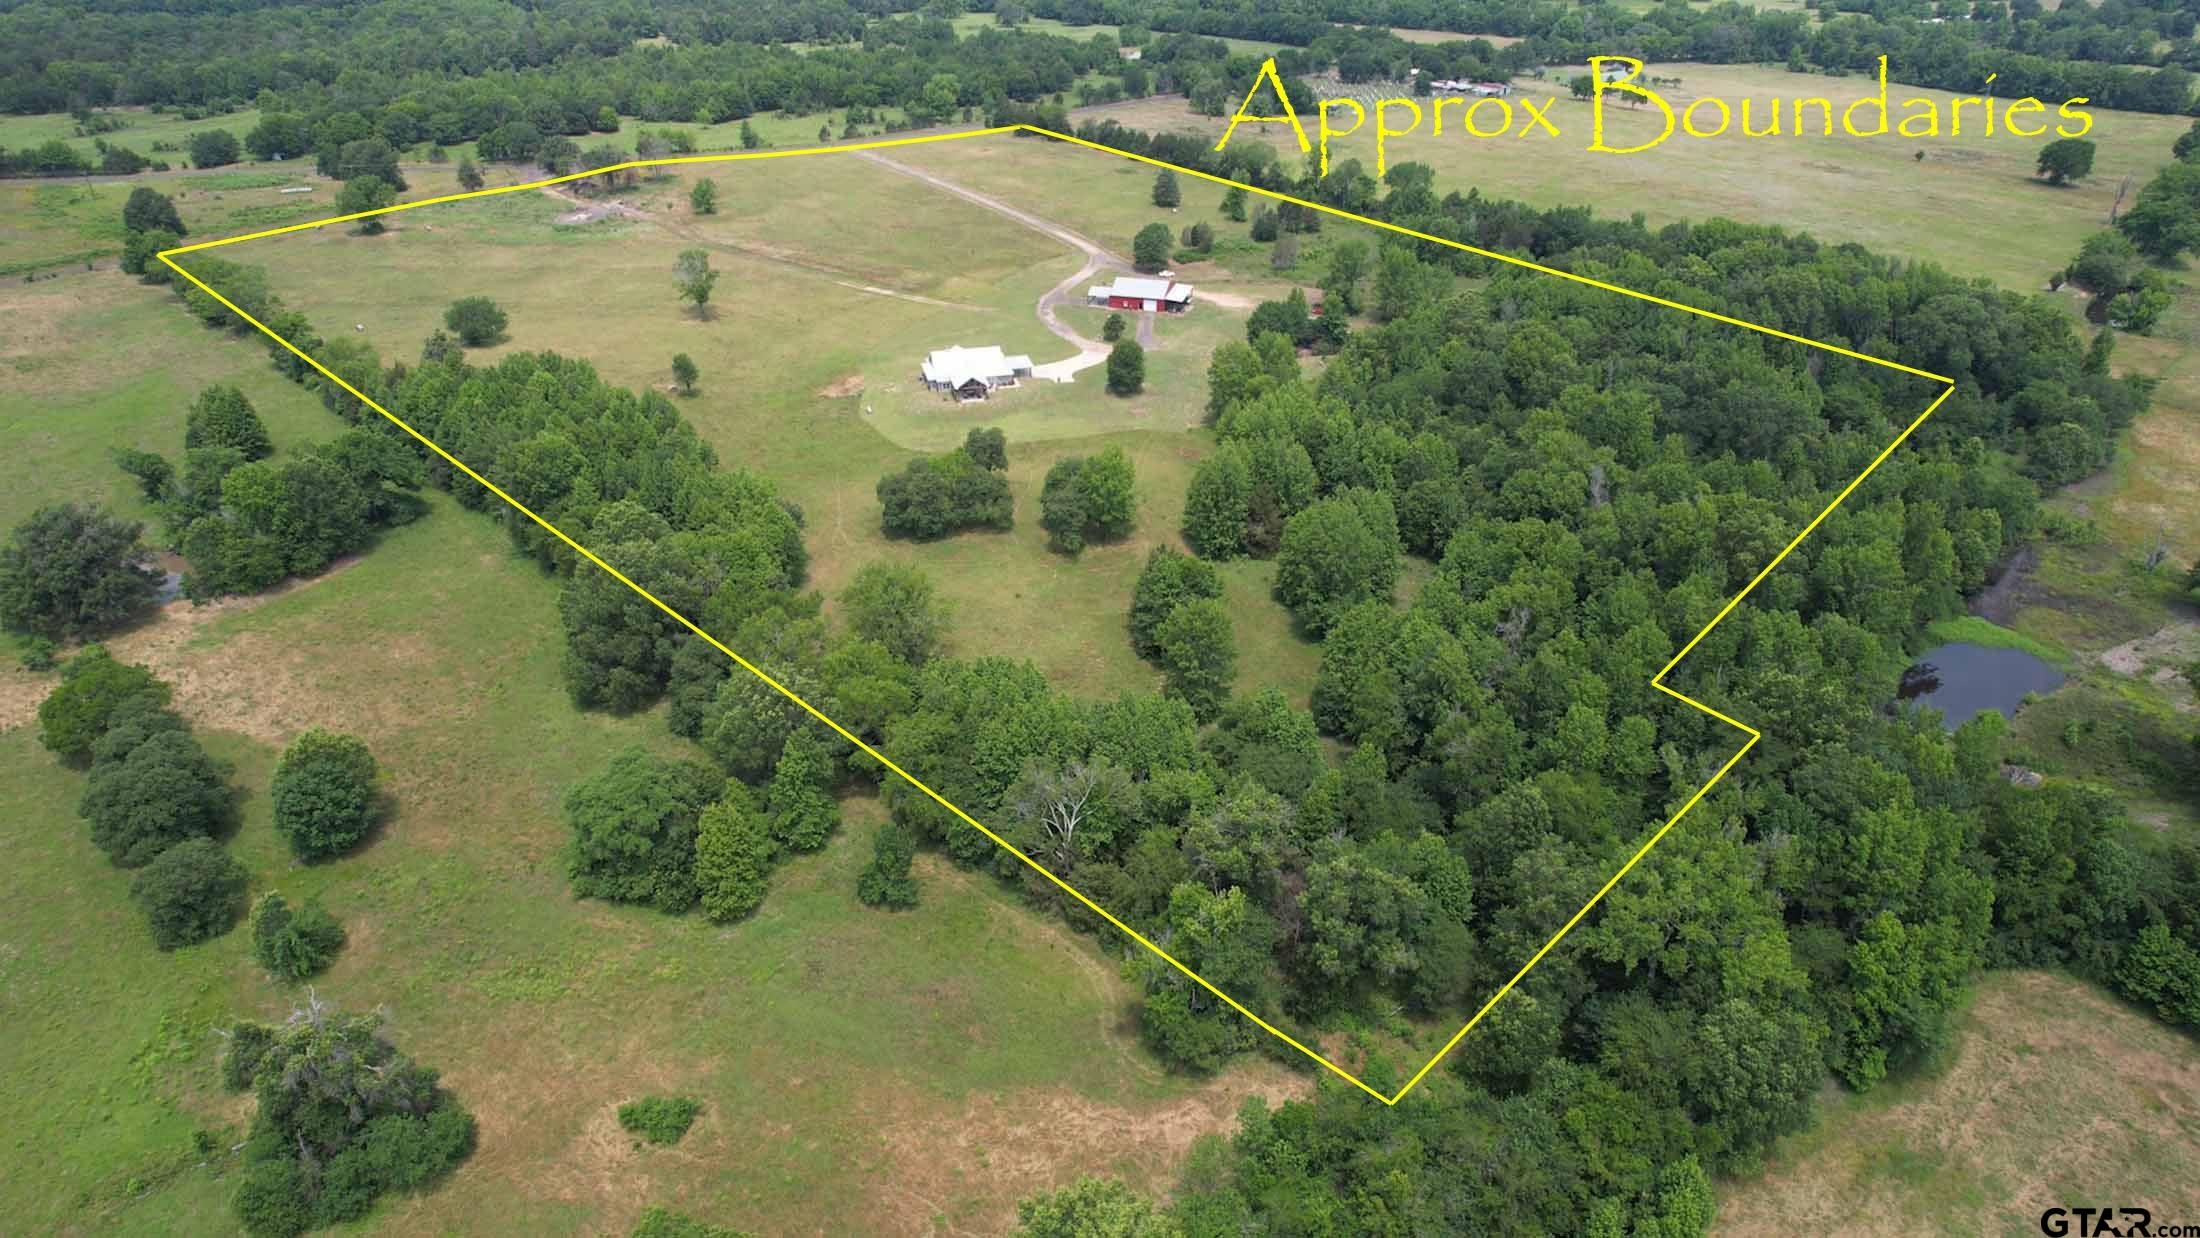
(840, 388)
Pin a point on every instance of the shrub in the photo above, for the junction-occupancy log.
(343, 1118)
(934, 496)
(70, 570)
(660, 1119)
(1112, 329)
(733, 856)
(1197, 650)
(476, 320)
(293, 944)
(897, 607)
(153, 472)
(38, 654)
(988, 447)
(246, 1045)
(634, 829)
(1088, 499)
(885, 882)
(324, 794)
(149, 210)
(191, 893)
(164, 793)
(660, 1222)
(803, 814)
(214, 148)
(93, 686)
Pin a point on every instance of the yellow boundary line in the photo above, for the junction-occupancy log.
(1657, 681)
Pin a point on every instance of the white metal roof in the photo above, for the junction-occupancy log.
(1145, 289)
(958, 365)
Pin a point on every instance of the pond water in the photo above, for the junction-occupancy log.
(1964, 680)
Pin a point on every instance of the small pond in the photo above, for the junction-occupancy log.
(1964, 680)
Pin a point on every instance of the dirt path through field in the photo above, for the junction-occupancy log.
(1097, 259)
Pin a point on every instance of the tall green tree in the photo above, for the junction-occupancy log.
(898, 607)
(733, 856)
(221, 416)
(1198, 653)
(149, 210)
(1150, 249)
(69, 571)
(695, 278)
(634, 829)
(324, 794)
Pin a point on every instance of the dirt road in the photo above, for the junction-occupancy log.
(1070, 291)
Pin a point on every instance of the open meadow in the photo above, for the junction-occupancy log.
(838, 1051)
(2054, 1094)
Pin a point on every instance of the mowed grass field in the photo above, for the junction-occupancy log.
(809, 370)
(2053, 1095)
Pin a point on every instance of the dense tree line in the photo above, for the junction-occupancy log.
(59, 57)
(2054, 56)
(1591, 482)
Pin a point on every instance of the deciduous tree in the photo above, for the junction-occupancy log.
(323, 793)
(192, 892)
(69, 571)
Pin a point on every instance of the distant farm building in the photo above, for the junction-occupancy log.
(973, 373)
(1485, 89)
(1134, 292)
(1612, 72)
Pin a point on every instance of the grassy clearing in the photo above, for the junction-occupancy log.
(45, 224)
(2054, 1095)
(79, 377)
(153, 135)
(1972, 630)
(831, 1046)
